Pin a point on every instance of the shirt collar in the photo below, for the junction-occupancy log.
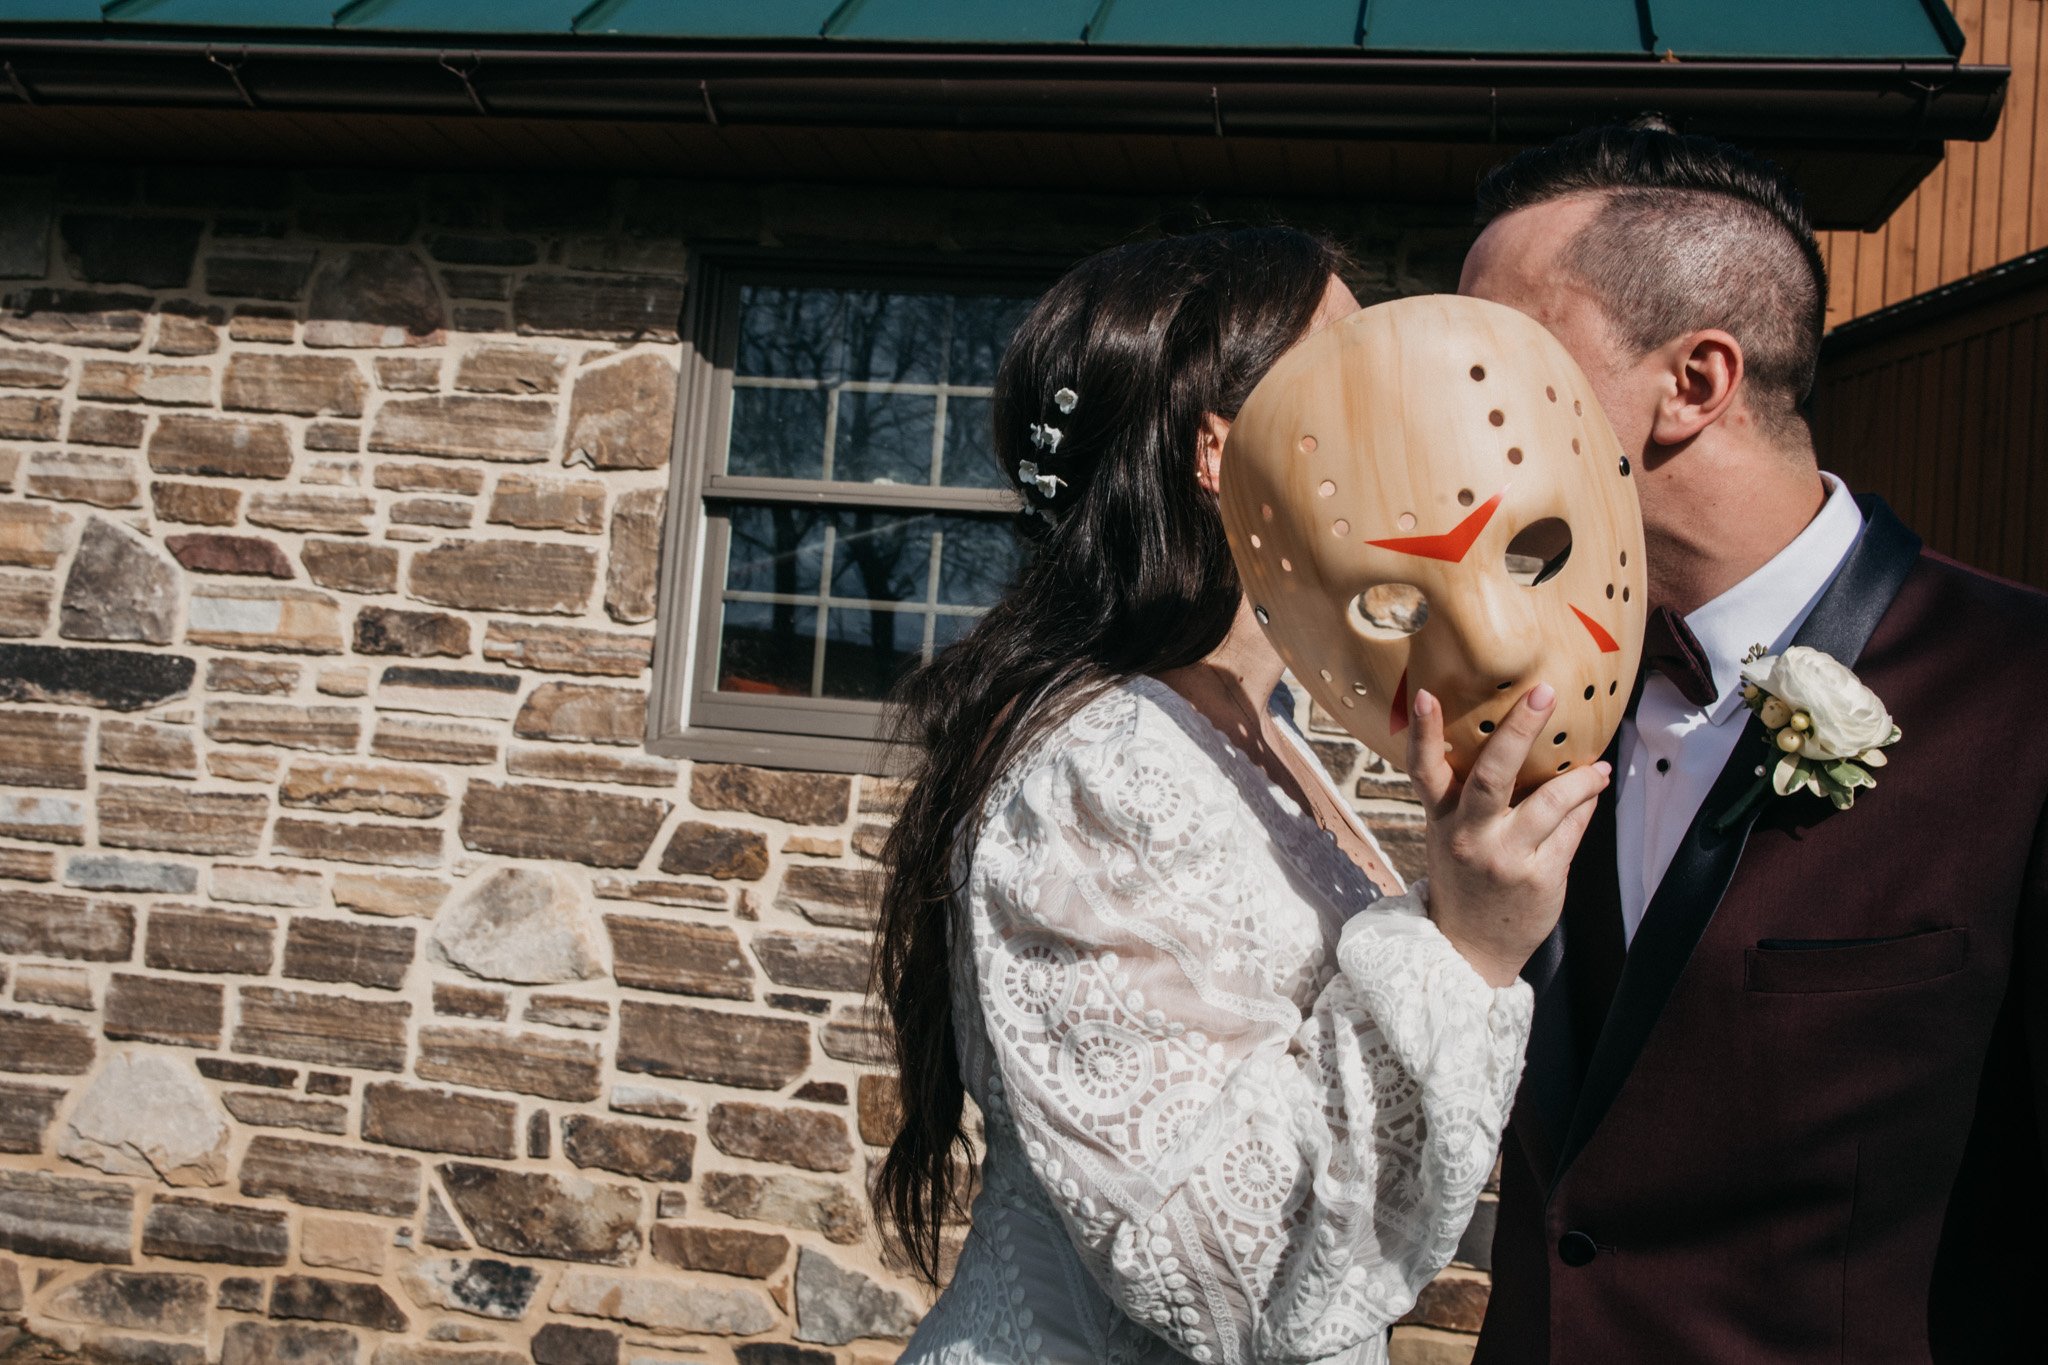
(1768, 607)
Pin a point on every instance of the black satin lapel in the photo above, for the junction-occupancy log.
(1556, 1058)
(1840, 624)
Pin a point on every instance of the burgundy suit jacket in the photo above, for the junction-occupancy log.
(1808, 1127)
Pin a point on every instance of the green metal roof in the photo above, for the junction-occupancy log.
(1855, 30)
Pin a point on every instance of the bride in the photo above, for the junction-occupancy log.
(1240, 1088)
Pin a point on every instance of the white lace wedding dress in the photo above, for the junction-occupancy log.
(1238, 1107)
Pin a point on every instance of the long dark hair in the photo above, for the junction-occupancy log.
(1131, 575)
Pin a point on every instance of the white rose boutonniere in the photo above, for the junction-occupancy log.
(1827, 731)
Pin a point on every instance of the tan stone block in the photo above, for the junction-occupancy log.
(180, 820)
(522, 370)
(878, 1102)
(858, 1033)
(121, 381)
(25, 600)
(347, 951)
(410, 739)
(242, 766)
(560, 763)
(44, 983)
(389, 893)
(433, 1120)
(792, 1201)
(569, 1011)
(838, 897)
(522, 820)
(814, 846)
(293, 510)
(529, 1213)
(27, 864)
(46, 819)
(446, 513)
(33, 535)
(97, 426)
(157, 1009)
(258, 677)
(583, 713)
(232, 447)
(95, 477)
(344, 1244)
(816, 962)
(196, 504)
(268, 1109)
(327, 729)
(810, 1138)
(634, 569)
(567, 649)
(349, 566)
(326, 1176)
(330, 1030)
(298, 888)
(42, 748)
(40, 1045)
(469, 1002)
(347, 788)
(30, 419)
(343, 681)
(197, 938)
(679, 957)
(306, 385)
(359, 841)
(25, 367)
(56, 924)
(505, 575)
(693, 1044)
(720, 1250)
(523, 1063)
(649, 892)
(623, 414)
(648, 1151)
(464, 427)
(414, 634)
(249, 616)
(799, 798)
(541, 504)
(406, 477)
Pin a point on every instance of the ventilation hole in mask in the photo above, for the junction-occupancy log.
(1266, 510)
(1407, 521)
(1349, 705)
(1565, 766)
(1389, 611)
(1550, 393)
(1497, 417)
(1539, 551)
(1326, 675)
(1578, 408)
(1624, 559)
(1610, 592)
(1612, 688)
(1624, 594)
(1340, 528)
(1502, 687)
(1359, 688)
(1559, 738)
(1308, 445)
(1479, 372)
(1326, 489)
(1264, 617)
(1256, 542)
(1589, 691)
(1485, 727)
(1514, 454)
(1464, 497)
(1286, 564)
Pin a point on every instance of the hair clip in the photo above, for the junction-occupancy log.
(1049, 485)
(1065, 399)
(1046, 438)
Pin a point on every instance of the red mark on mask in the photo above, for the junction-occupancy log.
(1598, 632)
(1397, 719)
(1452, 545)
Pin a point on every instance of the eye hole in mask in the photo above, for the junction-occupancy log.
(1389, 611)
(1539, 551)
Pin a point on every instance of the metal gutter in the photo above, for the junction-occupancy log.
(1972, 291)
(1882, 104)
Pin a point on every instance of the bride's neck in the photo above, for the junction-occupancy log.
(1245, 660)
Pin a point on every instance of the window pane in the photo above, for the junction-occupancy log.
(778, 433)
(884, 438)
(970, 460)
(880, 557)
(776, 549)
(982, 327)
(896, 338)
(978, 560)
(867, 651)
(789, 333)
(766, 648)
(947, 629)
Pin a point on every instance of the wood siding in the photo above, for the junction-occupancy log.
(1986, 203)
(1940, 409)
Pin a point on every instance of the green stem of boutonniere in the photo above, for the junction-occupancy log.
(1748, 802)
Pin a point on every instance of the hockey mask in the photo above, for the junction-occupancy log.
(1425, 495)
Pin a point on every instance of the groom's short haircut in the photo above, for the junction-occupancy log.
(1693, 233)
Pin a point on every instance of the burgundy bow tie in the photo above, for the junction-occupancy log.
(1670, 648)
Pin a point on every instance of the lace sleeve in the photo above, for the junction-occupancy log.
(1245, 1180)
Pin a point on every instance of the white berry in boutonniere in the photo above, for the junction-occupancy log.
(1827, 729)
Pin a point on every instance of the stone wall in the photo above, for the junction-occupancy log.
(370, 994)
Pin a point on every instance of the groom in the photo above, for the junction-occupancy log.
(1787, 1090)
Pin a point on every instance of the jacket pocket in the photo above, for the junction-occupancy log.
(1817, 965)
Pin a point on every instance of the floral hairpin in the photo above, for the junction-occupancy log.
(1048, 485)
(1046, 437)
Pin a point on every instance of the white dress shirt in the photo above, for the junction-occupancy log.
(1671, 751)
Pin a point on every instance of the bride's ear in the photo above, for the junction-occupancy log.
(1209, 452)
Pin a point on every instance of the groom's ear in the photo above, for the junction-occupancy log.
(1702, 372)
